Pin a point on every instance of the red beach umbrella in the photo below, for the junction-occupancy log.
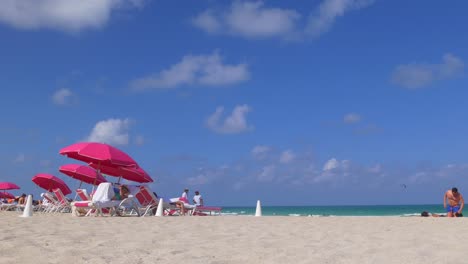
(50, 182)
(6, 195)
(8, 186)
(99, 153)
(82, 173)
(133, 173)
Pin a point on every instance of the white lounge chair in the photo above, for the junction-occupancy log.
(63, 203)
(7, 206)
(102, 202)
(148, 201)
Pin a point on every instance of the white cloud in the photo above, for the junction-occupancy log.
(322, 19)
(331, 164)
(418, 177)
(233, 124)
(20, 158)
(375, 169)
(267, 174)
(139, 140)
(333, 170)
(287, 156)
(111, 131)
(207, 175)
(259, 152)
(419, 75)
(62, 96)
(198, 180)
(351, 118)
(202, 70)
(254, 20)
(250, 19)
(65, 15)
(207, 21)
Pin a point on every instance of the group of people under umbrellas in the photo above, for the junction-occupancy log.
(101, 159)
(7, 198)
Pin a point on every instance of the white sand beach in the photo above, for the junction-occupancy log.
(61, 238)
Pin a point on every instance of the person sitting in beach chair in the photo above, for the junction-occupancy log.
(7, 204)
(121, 193)
(22, 199)
(182, 205)
(101, 202)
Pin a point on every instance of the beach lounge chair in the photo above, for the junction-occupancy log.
(102, 199)
(63, 203)
(147, 200)
(207, 210)
(7, 206)
(102, 203)
(189, 208)
(83, 194)
(149, 203)
(49, 203)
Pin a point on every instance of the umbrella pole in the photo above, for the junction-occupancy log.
(98, 172)
(94, 185)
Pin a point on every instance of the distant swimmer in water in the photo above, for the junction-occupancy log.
(455, 202)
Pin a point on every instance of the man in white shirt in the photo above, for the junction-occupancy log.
(197, 199)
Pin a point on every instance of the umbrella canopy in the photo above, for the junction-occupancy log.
(99, 153)
(8, 186)
(50, 182)
(82, 173)
(6, 195)
(134, 173)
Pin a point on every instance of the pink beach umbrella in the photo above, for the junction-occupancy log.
(133, 173)
(8, 186)
(49, 182)
(99, 153)
(82, 173)
(6, 195)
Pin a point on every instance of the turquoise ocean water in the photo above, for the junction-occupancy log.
(349, 210)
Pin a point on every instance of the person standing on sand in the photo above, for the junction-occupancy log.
(197, 199)
(455, 202)
(184, 196)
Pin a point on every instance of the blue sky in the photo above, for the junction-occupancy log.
(291, 102)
